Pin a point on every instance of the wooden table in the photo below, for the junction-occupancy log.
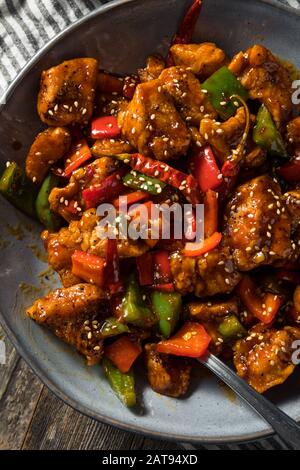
(31, 417)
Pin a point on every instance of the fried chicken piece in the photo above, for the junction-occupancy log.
(257, 225)
(292, 200)
(154, 66)
(264, 358)
(109, 105)
(83, 235)
(207, 275)
(293, 135)
(226, 136)
(213, 309)
(296, 299)
(67, 92)
(167, 375)
(202, 59)
(152, 124)
(73, 315)
(255, 157)
(92, 174)
(187, 95)
(61, 245)
(266, 79)
(111, 147)
(49, 147)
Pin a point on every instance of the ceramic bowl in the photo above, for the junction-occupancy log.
(121, 35)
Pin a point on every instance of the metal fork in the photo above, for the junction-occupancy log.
(285, 427)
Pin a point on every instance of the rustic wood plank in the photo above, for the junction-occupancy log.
(17, 406)
(31, 417)
(57, 426)
(6, 370)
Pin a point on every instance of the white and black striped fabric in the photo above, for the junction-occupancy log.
(25, 26)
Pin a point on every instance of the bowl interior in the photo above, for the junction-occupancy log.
(121, 36)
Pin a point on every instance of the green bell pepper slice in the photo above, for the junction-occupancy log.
(220, 87)
(266, 135)
(51, 221)
(139, 181)
(134, 308)
(122, 384)
(167, 307)
(231, 328)
(18, 189)
(112, 327)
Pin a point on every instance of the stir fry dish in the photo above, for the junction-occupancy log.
(199, 128)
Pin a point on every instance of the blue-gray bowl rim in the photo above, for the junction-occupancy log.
(10, 334)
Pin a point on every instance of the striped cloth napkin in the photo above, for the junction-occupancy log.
(25, 26)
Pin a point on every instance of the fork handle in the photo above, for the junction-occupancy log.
(285, 427)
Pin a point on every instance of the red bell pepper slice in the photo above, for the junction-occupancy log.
(192, 340)
(111, 187)
(108, 83)
(265, 307)
(162, 171)
(78, 155)
(72, 208)
(132, 198)
(88, 267)
(162, 267)
(198, 249)
(186, 29)
(105, 127)
(291, 171)
(145, 266)
(210, 213)
(112, 268)
(230, 170)
(123, 353)
(206, 170)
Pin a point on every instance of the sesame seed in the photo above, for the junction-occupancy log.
(34, 179)
(84, 111)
